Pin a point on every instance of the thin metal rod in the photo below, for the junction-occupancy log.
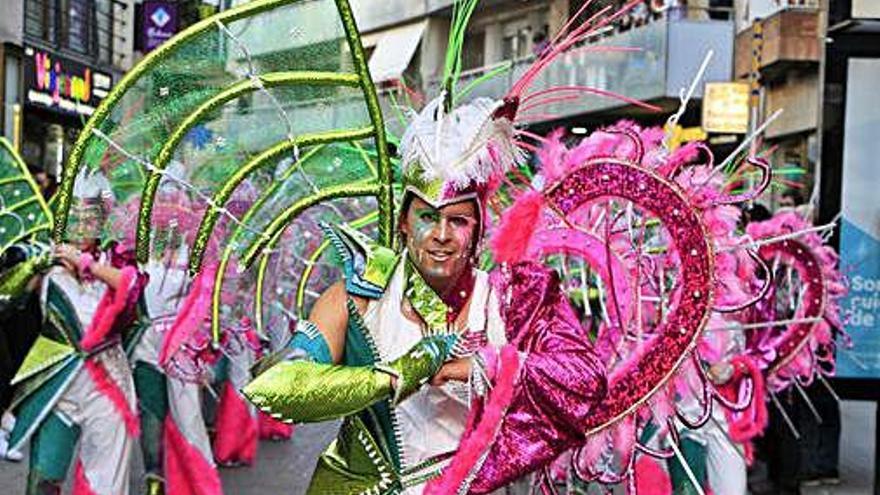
(828, 387)
(771, 240)
(764, 324)
(788, 421)
(687, 468)
(743, 145)
(810, 404)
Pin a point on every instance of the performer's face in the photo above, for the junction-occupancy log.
(440, 240)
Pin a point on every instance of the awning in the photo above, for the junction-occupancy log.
(394, 51)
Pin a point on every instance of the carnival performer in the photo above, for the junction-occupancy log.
(174, 441)
(75, 384)
(428, 314)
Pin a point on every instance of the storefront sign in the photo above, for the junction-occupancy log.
(61, 84)
(726, 108)
(160, 23)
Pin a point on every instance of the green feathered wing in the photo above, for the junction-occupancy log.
(23, 211)
(266, 117)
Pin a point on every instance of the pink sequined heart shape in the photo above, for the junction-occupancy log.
(635, 382)
(797, 255)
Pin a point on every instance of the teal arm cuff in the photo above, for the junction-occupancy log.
(307, 342)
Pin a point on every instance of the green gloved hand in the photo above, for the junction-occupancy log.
(418, 365)
(14, 281)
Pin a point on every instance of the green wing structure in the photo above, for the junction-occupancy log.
(266, 116)
(24, 213)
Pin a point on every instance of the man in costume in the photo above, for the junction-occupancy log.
(75, 384)
(427, 314)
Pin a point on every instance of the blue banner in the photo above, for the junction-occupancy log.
(860, 225)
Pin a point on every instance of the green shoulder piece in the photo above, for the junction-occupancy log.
(366, 264)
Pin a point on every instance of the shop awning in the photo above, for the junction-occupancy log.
(394, 51)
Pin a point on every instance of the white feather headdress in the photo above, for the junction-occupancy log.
(467, 145)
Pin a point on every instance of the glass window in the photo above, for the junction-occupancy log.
(473, 53)
(76, 20)
(39, 19)
(515, 39)
(104, 30)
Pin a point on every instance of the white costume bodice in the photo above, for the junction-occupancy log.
(163, 294)
(433, 419)
(162, 297)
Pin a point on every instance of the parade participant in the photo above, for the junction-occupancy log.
(174, 440)
(75, 384)
(423, 313)
(429, 316)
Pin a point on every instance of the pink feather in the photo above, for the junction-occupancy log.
(112, 305)
(475, 444)
(192, 315)
(651, 478)
(511, 238)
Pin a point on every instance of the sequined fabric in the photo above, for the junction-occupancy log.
(303, 391)
(560, 382)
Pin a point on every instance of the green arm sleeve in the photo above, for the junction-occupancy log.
(306, 392)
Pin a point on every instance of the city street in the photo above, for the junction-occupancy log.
(284, 468)
(504, 231)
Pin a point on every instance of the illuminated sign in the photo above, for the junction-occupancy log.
(63, 85)
(160, 23)
(726, 108)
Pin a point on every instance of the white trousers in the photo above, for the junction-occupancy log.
(104, 443)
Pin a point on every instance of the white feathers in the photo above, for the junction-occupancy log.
(464, 146)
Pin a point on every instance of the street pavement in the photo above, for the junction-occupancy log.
(283, 468)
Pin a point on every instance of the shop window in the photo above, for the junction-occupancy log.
(85, 27)
(515, 39)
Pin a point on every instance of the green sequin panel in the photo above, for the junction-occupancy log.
(304, 391)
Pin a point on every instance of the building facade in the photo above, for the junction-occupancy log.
(666, 43)
(778, 52)
(60, 58)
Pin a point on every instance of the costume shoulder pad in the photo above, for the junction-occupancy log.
(366, 264)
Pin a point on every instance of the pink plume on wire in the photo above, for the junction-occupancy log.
(193, 313)
(510, 240)
(559, 46)
(591, 90)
